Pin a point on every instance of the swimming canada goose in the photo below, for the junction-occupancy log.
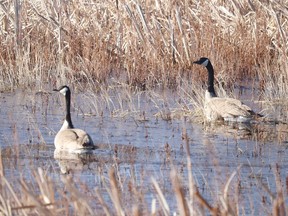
(227, 109)
(69, 138)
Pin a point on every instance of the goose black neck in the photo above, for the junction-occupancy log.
(68, 103)
(211, 79)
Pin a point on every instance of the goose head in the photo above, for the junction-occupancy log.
(63, 90)
(202, 61)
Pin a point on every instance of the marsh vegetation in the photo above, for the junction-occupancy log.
(137, 92)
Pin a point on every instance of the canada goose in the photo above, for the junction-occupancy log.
(69, 138)
(227, 109)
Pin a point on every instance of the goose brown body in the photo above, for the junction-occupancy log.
(69, 138)
(73, 139)
(227, 109)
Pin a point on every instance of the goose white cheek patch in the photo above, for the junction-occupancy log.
(63, 91)
(205, 63)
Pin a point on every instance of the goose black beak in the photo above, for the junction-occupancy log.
(197, 62)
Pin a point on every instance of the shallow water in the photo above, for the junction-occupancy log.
(141, 145)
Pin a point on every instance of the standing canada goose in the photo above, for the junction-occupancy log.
(227, 109)
(69, 138)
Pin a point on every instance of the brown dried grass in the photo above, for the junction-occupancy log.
(141, 43)
(144, 44)
(41, 195)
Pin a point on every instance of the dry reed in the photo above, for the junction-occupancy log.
(147, 45)
(41, 195)
(141, 43)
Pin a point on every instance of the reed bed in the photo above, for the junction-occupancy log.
(142, 43)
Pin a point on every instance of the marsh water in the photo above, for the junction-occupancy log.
(141, 144)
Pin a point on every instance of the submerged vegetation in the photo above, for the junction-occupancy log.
(120, 189)
(104, 46)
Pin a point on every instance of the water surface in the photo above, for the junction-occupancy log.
(140, 144)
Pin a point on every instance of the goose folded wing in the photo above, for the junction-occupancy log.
(73, 139)
(229, 107)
